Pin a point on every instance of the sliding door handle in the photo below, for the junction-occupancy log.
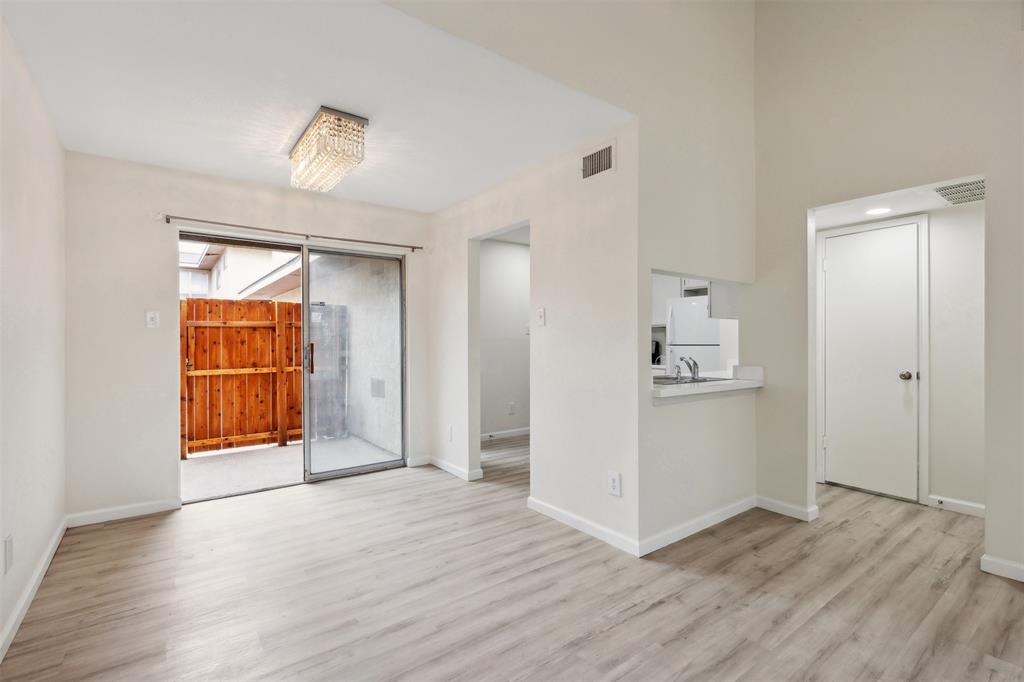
(312, 356)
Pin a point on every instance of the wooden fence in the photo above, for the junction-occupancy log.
(241, 373)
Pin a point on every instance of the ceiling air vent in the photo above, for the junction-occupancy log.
(963, 192)
(598, 162)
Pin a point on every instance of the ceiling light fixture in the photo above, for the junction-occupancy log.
(878, 211)
(330, 147)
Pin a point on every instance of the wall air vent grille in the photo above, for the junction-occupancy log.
(598, 162)
(963, 192)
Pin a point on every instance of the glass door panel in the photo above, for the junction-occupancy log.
(353, 369)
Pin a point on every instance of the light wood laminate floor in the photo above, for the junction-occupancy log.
(413, 574)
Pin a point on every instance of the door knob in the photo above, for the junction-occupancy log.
(906, 376)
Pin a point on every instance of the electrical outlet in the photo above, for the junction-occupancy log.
(511, 408)
(451, 433)
(8, 553)
(615, 483)
(542, 317)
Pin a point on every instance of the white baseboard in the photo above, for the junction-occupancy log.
(688, 528)
(455, 470)
(29, 593)
(417, 461)
(953, 504)
(787, 509)
(603, 533)
(508, 433)
(1002, 567)
(122, 512)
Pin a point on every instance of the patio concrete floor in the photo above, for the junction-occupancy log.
(242, 470)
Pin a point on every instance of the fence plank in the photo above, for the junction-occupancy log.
(190, 416)
(242, 392)
(280, 381)
(201, 360)
(218, 372)
(234, 390)
(183, 381)
(254, 324)
(293, 338)
(265, 358)
(216, 382)
(248, 439)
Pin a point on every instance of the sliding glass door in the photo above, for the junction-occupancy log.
(353, 365)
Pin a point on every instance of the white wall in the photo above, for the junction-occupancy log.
(687, 71)
(957, 353)
(845, 112)
(504, 342)
(122, 425)
(583, 240)
(697, 458)
(293, 296)
(239, 267)
(32, 346)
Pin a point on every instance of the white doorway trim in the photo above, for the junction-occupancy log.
(817, 285)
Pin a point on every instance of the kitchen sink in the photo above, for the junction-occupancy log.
(669, 380)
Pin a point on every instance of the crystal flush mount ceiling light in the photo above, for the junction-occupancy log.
(330, 147)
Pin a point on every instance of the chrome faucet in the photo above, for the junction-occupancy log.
(691, 365)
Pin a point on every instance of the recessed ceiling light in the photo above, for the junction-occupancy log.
(878, 211)
(329, 148)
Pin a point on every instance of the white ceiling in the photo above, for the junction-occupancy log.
(226, 88)
(902, 202)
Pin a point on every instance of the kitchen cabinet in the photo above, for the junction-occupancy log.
(664, 288)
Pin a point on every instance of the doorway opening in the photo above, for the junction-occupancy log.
(292, 365)
(240, 357)
(897, 337)
(503, 338)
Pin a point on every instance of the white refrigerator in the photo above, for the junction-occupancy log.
(691, 332)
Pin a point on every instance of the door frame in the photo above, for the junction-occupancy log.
(923, 341)
(474, 470)
(242, 236)
(307, 476)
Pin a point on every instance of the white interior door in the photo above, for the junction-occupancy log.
(871, 360)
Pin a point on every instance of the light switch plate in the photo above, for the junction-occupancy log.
(542, 317)
(152, 319)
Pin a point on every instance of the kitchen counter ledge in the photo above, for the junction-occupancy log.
(741, 379)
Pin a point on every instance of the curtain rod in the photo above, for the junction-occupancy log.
(168, 218)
